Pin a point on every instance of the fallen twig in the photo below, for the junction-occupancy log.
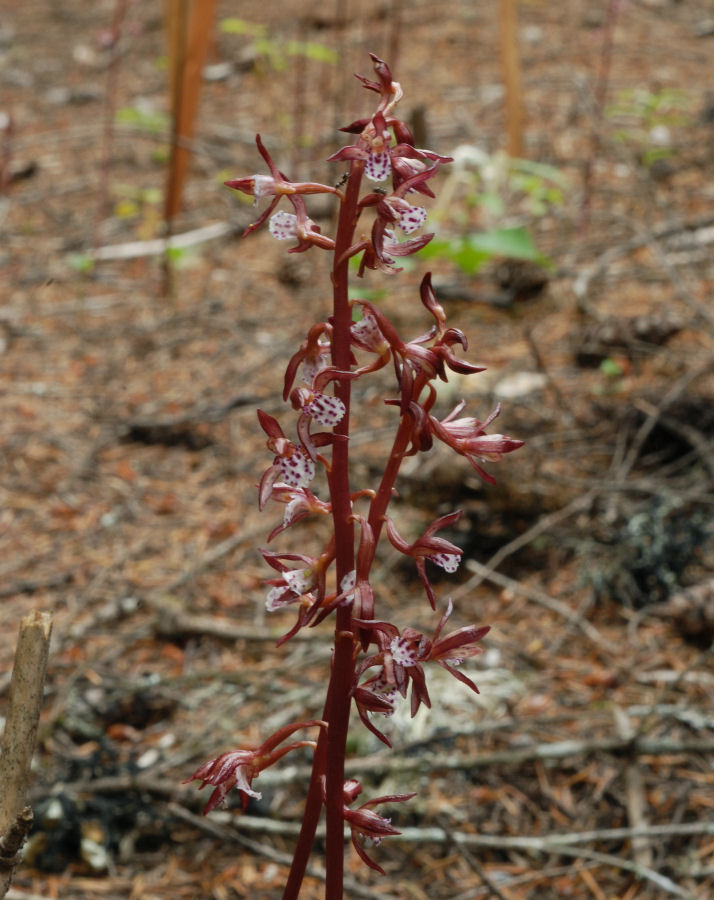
(566, 844)
(542, 525)
(159, 246)
(540, 597)
(148, 782)
(635, 800)
(581, 285)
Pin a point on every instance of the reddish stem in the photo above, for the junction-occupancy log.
(329, 759)
(379, 504)
(342, 674)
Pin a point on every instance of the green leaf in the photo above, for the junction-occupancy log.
(458, 251)
(231, 25)
(539, 170)
(610, 367)
(272, 51)
(515, 243)
(151, 122)
(310, 50)
(152, 195)
(126, 209)
(80, 262)
(161, 155)
(470, 252)
(175, 254)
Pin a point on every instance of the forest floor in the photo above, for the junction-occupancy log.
(131, 450)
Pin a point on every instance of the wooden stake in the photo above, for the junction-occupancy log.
(510, 60)
(189, 25)
(18, 744)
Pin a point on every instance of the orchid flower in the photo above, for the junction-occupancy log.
(437, 550)
(365, 823)
(275, 185)
(237, 768)
(467, 436)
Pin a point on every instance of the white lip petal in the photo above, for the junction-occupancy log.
(298, 470)
(378, 167)
(326, 410)
(412, 218)
(283, 225)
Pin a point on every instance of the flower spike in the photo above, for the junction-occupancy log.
(375, 665)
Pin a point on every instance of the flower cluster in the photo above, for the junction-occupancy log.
(375, 663)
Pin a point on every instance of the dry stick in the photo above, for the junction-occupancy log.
(543, 524)
(540, 597)
(676, 280)
(609, 859)
(635, 801)
(561, 402)
(189, 27)
(600, 95)
(702, 446)
(18, 744)
(159, 246)
(466, 854)
(189, 30)
(109, 108)
(486, 572)
(554, 844)
(395, 29)
(300, 91)
(673, 394)
(581, 284)
(381, 766)
(22, 895)
(513, 881)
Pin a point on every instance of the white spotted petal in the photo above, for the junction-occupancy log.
(326, 410)
(449, 562)
(298, 469)
(283, 225)
(402, 653)
(411, 218)
(378, 166)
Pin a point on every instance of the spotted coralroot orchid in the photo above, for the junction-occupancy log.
(367, 825)
(402, 654)
(375, 664)
(275, 184)
(468, 437)
(237, 768)
(440, 551)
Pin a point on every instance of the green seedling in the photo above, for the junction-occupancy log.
(645, 121)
